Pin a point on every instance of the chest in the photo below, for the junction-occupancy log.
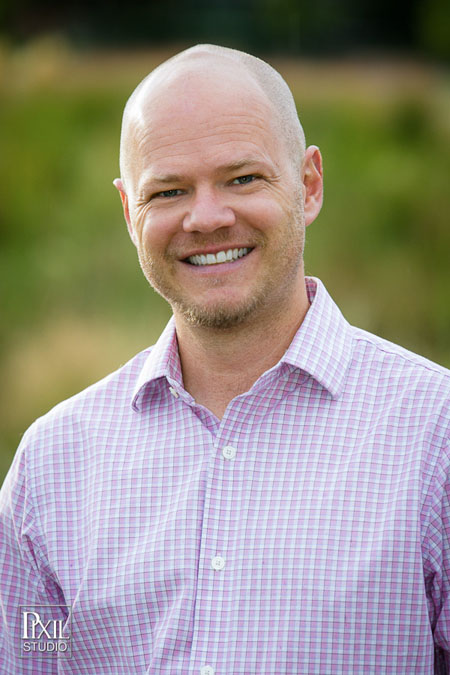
(307, 501)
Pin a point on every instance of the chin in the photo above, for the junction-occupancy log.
(217, 317)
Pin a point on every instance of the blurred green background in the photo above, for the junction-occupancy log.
(74, 303)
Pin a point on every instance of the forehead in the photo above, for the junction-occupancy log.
(212, 111)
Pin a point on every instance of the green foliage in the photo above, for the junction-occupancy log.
(433, 28)
(75, 302)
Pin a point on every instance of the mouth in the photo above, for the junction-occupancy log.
(225, 256)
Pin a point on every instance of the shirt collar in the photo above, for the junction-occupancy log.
(321, 347)
(163, 361)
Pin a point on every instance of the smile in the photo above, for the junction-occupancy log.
(220, 257)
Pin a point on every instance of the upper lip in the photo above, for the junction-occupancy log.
(214, 249)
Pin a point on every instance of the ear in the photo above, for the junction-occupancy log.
(118, 183)
(312, 179)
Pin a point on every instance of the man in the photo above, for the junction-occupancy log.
(263, 491)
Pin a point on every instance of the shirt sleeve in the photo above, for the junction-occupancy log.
(437, 562)
(24, 580)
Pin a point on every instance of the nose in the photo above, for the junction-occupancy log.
(208, 212)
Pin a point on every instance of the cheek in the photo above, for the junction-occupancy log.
(156, 232)
(262, 214)
(270, 216)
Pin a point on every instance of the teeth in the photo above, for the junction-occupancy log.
(220, 257)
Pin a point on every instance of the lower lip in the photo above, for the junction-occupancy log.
(219, 267)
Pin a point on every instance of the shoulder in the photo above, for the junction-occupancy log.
(400, 361)
(416, 387)
(99, 407)
(70, 446)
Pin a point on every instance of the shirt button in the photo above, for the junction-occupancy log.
(218, 563)
(206, 670)
(174, 392)
(229, 452)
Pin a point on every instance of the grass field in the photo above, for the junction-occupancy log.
(75, 304)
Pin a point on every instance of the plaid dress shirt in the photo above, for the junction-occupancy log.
(306, 532)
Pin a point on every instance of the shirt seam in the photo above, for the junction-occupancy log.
(415, 362)
(444, 454)
(39, 561)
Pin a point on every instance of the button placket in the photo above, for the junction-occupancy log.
(214, 581)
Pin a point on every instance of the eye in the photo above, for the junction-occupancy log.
(168, 193)
(244, 180)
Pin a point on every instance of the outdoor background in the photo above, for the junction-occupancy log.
(371, 81)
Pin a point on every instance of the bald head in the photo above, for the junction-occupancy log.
(228, 68)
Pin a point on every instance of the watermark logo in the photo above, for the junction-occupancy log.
(45, 630)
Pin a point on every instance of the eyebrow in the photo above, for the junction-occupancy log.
(240, 164)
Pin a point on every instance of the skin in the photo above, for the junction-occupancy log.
(206, 169)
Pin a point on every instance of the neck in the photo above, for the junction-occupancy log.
(220, 364)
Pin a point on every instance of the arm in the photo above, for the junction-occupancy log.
(437, 563)
(24, 579)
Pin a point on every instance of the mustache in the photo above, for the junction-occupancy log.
(218, 238)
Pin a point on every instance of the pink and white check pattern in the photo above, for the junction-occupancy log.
(328, 520)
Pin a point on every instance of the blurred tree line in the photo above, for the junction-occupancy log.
(75, 304)
(284, 26)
